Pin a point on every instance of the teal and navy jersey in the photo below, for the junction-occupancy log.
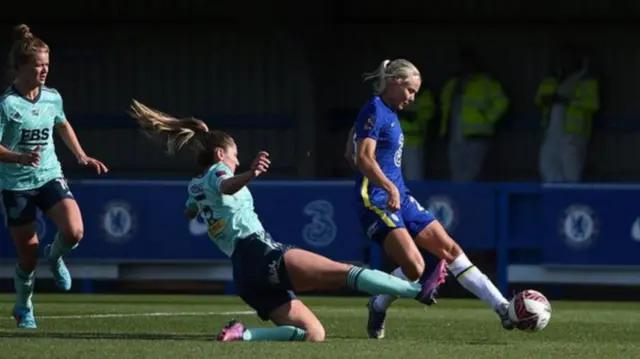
(24, 125)
(230, 218)
(379, 122)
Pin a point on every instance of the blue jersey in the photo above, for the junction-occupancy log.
(25, 125)
(229, 218)
(379, 122)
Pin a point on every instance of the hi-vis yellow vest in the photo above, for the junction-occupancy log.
(483, 104)
(415, 118)
(582, 105)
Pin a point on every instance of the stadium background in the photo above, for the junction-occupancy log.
(285, 77)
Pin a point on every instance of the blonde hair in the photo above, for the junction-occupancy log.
(25, 47)
(175, 133)
(397, 69)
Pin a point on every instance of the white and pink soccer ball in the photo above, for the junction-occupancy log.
(530, 310)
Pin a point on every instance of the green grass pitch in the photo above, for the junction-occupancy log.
(182, 327)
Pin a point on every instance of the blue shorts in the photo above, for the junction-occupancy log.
(377, 221)
(260, 273)
(20, 207)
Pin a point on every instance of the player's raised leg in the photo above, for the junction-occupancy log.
(58, 203)
(308, 271)
(389, 230)
(435, 239)
(317, 272)
(20, 214)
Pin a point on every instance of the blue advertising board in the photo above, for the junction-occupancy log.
(144, 221)
(589, 225)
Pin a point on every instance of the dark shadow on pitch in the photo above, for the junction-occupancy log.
(107, 336)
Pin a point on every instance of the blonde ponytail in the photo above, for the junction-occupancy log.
(398, 68)
(175, 133)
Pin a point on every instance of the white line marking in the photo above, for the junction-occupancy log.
(129, 315)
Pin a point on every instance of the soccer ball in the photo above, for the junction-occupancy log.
(530, 310)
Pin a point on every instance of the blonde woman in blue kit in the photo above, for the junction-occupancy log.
(389, 214)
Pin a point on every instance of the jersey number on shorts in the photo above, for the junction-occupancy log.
(63, 184)
(418, 205)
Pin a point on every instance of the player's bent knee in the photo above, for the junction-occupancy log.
(435, 239)
(449, 252)
(315, 333)
(73, 234)
(455, 251)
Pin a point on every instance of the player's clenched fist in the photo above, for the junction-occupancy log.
(260, 164)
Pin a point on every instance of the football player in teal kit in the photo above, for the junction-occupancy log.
(31, 177)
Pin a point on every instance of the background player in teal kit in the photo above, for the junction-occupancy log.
(30, 174)
(266, 273)
(389, 214)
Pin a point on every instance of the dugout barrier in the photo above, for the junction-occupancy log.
(577, 234)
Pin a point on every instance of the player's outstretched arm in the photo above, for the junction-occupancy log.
(233, 184)
(70, 139)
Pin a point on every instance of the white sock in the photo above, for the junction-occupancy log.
(383, 301)
(473, 280)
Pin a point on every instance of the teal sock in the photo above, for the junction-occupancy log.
(282, 333)
(60, 247)
(377, 282)
(24, 282)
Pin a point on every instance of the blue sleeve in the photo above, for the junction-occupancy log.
(367, 124)
(60, 117)
(217, 173)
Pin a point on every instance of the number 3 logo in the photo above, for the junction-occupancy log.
(322, 230)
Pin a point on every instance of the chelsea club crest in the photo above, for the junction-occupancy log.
(579, 226)
(444, 210)
(118, 222)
